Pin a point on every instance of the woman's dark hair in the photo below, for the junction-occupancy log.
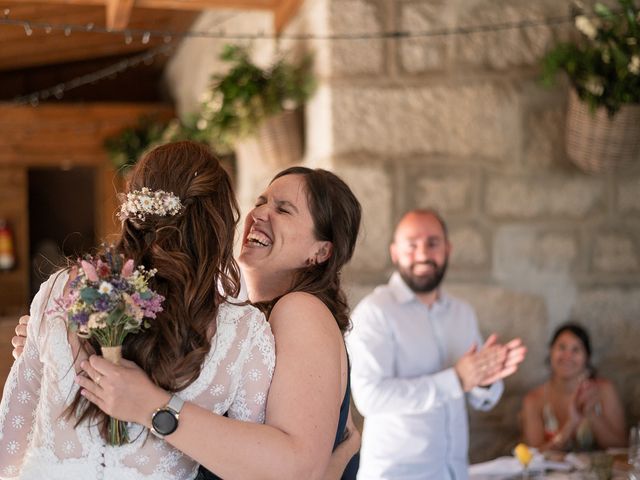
(581, 333)
(336, 215)
(193, 254)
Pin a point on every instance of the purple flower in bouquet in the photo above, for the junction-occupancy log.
(107, 300)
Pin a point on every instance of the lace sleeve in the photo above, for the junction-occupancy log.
(22, 392)
(257, 363)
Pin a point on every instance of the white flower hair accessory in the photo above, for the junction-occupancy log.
(140, 203)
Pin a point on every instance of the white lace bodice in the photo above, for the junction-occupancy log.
(36, 441)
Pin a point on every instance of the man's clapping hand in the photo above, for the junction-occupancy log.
(493, 362)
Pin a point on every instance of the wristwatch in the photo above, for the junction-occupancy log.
(164, 420)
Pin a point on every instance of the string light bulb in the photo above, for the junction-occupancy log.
(145, 37)
(28, 31)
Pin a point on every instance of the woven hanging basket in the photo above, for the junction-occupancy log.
(597, 143)
(278, 141)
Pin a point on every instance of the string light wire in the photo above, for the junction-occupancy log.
(168, 36)
(147, 57)
(222, 35)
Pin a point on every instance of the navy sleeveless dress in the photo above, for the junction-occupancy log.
(352, 467)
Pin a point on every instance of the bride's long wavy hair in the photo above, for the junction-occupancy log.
(193, 254)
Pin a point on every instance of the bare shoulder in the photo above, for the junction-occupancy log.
(302, 311)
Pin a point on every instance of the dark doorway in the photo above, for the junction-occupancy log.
(61, 218)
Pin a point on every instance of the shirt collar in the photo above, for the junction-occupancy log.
(403, 294)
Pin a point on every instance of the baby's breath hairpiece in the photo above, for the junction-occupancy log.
(140, 203)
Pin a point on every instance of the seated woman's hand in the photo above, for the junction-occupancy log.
(121, 391)
(588, 397)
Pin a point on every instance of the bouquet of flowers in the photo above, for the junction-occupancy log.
(604, 64)
(107, 300)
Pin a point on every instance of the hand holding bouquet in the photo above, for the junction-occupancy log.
(107, 300)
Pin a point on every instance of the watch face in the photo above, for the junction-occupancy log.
(164, 422)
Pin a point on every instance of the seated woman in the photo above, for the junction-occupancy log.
(574, 409)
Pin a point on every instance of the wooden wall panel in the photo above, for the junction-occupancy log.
(14, 284)
(64, 136)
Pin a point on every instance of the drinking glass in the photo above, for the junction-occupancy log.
(524, 456)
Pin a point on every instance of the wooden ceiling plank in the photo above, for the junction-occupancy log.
(118, 14)
(19, 51)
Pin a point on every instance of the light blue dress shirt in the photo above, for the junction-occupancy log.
(404, 384)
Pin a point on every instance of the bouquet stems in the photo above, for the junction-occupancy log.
(118, 432)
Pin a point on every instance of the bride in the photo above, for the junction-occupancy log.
(218, 354)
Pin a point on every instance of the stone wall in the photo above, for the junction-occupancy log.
(460, 123)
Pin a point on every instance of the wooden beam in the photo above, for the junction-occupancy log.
(284, 11)
(209, 4)
(172, 4)
(119, 11)
(118, 14)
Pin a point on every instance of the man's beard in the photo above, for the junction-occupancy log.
(423, 283)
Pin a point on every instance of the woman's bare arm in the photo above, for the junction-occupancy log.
(302, 406)
(606, 416)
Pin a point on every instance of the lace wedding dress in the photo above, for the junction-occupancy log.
(37, 442)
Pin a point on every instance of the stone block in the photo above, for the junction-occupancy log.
(511, 314)
(527, 198)
(629, 195)
(448, 194)
(611, 316)
(615, 253)
(507, 47)
(372, 185)
(418, 54)
(470, 248)
(538, 261)
(477, 121)
(544, 138)
(361, 56)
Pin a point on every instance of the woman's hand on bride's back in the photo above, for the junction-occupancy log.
(21, 336)
(121, 391)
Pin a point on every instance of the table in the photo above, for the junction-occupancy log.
(572, 466)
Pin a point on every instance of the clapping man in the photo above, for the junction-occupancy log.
(417, 356)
